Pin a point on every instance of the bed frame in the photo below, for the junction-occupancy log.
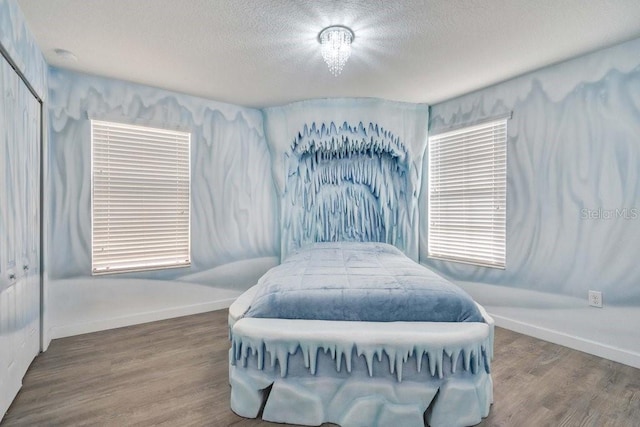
(359, 373)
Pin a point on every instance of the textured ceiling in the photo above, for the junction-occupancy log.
(265, 52)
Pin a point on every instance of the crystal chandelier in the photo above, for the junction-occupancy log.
(335, 43)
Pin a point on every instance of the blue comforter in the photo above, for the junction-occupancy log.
(360, 282)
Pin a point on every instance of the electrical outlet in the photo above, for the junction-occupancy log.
(595, 299)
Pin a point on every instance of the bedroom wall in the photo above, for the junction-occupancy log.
(234, 233)
(18, 43)
(573, 201)
(348, 169)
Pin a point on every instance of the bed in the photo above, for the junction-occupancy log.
(357, 334)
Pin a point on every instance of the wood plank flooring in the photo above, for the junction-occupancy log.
(174, 372)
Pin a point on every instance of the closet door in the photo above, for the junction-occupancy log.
(19, 232)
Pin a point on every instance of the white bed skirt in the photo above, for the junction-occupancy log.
(360, 373)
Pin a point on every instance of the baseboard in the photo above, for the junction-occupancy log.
(68, 330)
(598, 349)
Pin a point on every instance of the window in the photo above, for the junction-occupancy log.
(139, 198)
(467, 194)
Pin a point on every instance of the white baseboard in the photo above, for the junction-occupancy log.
(68, 330)
(581, 344)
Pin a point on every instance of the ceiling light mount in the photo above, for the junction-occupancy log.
(335, 42)
(65, 55)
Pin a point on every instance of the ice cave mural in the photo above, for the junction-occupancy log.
(346, 183)
(348, 170)
(572, 150)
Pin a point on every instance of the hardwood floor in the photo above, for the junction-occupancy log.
(174, 372)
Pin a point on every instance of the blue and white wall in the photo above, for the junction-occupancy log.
(573, 201)
(18, 43)
(234, 233)
(348, 170)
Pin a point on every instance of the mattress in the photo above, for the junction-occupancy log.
(355, 281)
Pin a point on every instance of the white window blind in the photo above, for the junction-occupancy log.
(140, 198)
(467, 194)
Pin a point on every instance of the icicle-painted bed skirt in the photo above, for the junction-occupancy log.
(360, 373)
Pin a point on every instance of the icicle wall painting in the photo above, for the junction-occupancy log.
(234, 233)
(346, 183)
(348, 170)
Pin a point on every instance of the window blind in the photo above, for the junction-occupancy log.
(140, 198)
(467, 195)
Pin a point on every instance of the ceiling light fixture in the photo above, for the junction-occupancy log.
(335, 42)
